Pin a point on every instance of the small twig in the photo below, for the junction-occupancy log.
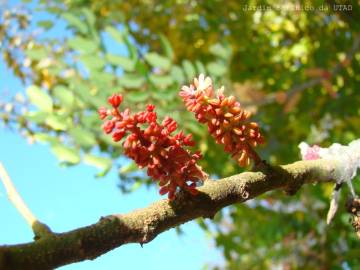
(15, 198)
(38, 228)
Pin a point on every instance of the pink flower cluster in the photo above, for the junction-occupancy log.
(227, 122)
(152, 145)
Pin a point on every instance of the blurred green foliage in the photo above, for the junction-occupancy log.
(294, 64)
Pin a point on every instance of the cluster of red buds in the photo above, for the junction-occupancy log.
(227, 122)
(152, 145)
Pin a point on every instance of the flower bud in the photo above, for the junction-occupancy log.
(108, 126)
(103, 113)
(115, 100)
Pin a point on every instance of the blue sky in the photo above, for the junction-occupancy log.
(67, 198)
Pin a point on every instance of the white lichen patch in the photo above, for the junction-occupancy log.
(348, 158)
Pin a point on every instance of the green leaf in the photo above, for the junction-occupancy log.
(131, 81)
(132, 48)
(298, 50)
(66, 154)
(189, 70)
(166, 46)
(89, 15)
(115, 34)
(136, 186)
(200, 67)
(46, 24)
(80, 89)
(102, 80)
(44, 138)
(83, 137)
(165, 95)
(36, 53)
(142, 68)
(64, 95)
(178, 74)
(138, 96)
(126, 63)
(37, 117)
(220, 50)
(156, 60)
(56, 122)
(39, 98)
(108, 140)
(75, 21)
(91, 120)
(82, 45)
(131, 167)
(161, 81)
(194, 127)
(102, 163)
(92, 61)
(216, 68)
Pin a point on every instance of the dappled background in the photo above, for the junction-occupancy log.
(294, 65)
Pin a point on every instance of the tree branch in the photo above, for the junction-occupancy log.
(143, 225)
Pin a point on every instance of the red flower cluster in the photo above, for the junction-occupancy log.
(151, 145)
(227, 122)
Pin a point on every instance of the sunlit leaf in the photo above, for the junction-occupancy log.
(189, 70)
(82, 136)
(178, 74)
(216, 68)
(45, 138)
(46, 24)
(158, 61)
(66, 154)
(126, 63)
(166, 46)
(89, 15)
(92, 61)
(104, 164)
(37, 117)
(39, 98)
(165, 95)
(161, 81)
(36, 53)
(82, 45)
(131, 167)
(138, 96)
(115, 34)
(220, 50)
(131, 81)
(200, 67)
(75, 21)
(65, 96)
(56, 122)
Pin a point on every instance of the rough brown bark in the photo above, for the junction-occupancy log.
(141, 226)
